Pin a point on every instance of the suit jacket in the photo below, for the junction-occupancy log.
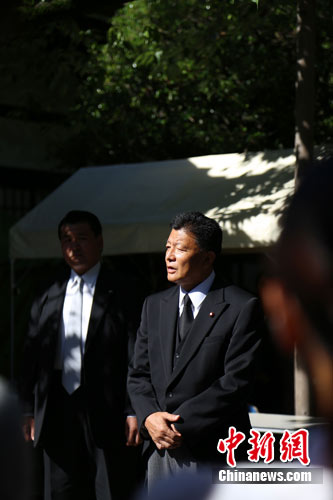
(105, 364)
(209, 383)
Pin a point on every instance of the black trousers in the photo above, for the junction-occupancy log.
(74, 468)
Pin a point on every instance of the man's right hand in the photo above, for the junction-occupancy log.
(29, 428)
(162, 430)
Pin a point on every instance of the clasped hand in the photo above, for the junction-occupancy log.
(162, 430)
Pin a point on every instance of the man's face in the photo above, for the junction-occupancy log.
(80, 246)
(187, 265)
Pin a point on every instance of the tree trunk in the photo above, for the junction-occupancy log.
(305, 93)
(304, 116)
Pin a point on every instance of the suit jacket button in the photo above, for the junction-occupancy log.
(170, 394)
(177, 355)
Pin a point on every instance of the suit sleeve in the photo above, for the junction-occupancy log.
(29, 365)
(130, 305)
(228, 394)
(139, 382)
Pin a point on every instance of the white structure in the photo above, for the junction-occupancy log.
(135, 202)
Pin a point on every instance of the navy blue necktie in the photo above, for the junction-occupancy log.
(186, 318)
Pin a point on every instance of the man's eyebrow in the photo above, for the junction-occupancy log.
(69, 234)
(175, 242)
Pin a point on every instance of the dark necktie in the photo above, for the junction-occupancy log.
(186, 318)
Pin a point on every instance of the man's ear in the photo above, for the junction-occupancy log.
(100, 242)
(284, 312)
(210, 258)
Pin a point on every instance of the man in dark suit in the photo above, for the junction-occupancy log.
(74, 371)
(194, 354)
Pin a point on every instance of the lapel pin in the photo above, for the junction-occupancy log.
(212, 314)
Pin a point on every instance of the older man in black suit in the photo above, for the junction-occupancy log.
(74, 371)
(194, 354)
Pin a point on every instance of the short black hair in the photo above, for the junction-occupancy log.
(207, 232)
(81, 217)
(304, 251)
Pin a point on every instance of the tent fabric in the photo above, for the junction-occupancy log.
(245, 193)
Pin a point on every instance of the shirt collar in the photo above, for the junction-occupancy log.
(89, 278)
(198, 293)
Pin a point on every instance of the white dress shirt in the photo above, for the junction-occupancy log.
(89, 279)
(197, 294)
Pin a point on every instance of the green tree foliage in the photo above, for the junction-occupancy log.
(189, 78)
(155, 79)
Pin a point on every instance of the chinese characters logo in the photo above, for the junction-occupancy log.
(293, 445)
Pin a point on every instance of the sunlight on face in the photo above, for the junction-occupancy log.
(187, 264)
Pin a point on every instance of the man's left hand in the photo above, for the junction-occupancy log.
(131, 432)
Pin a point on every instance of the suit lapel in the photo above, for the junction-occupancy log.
(56, 296)
(168, 320)
(51, 316)
(102, 295)
(210, 311)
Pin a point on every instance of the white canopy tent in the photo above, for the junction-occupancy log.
(135, 202)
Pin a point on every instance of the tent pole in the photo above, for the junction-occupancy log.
(302, 389)
(12, 317)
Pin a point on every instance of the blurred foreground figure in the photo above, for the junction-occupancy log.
(298, 296)
(186, 485)
(13, 460)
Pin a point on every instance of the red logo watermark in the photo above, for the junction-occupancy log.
(230, 444)
(293, 445)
